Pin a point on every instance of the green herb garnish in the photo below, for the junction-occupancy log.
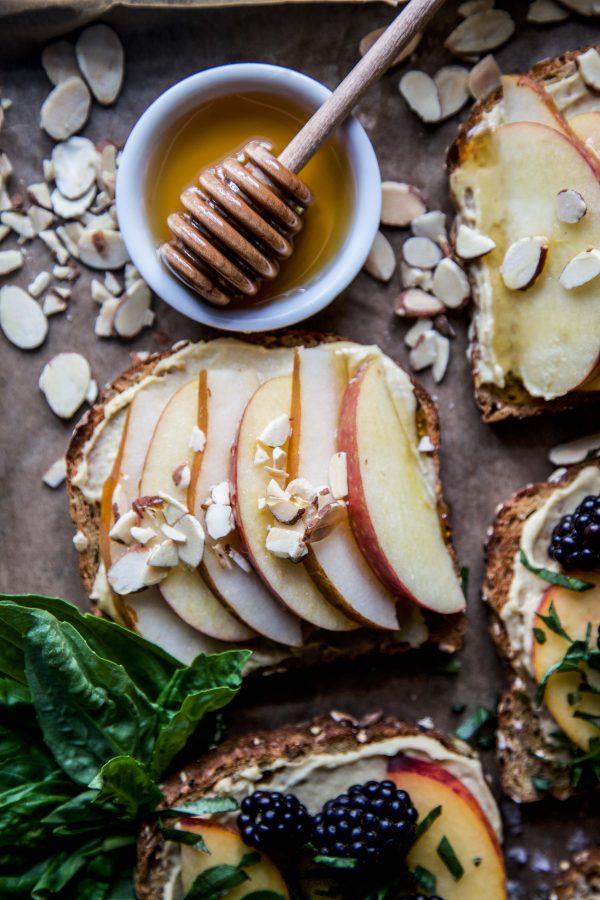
(566, 581)
(458, 708)
(541, 784)
(424, 878)
(446, 853)
(426, 823)
(336, 862)
(477, 861)
(471, 725)
(540, 635)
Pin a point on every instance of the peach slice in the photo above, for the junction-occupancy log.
(393, 514)
(576, 611)
(225, 847)
(223, 396)
(462, 822)
(289, 582)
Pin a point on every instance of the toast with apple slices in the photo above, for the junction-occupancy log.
(523, 369)
(95, 459)
(531, 759)
(321, 760)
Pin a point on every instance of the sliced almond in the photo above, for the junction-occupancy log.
(421, 252)
(239, 559)
(219, 520)
(4, 232)
(55, 474)
(441, 361)
(480, 32)
(324, 522)
(91, 395)
(416, 303)
(261, 456)
(220, 493)
(410, 276)
(302, 488)
(74, 163)
(432, 225)
(381, 261)
(104, 325)
(338, 475)
(279, 458)
(99, 292)
(421, 94)
(40, 194)
(59, 62)
(471, 244)
(108, 169)
(112, 284)
(182, 476)
(286, 544)
(70, 235)
(20, 224)
(54, 245)
(40, 218)
(101, 59)
(131, 572)
(373, 36)
(545, 12)
(142, 534)
(21, 318)
(10, 261)
(451, 83)
(53, 303)
(276, 492)
(570, 206)
(582, 269)
(524, 261)
(172, 532)
(164, 555)
(588, 64)
(450, 284)
(64, 382)
(276, 432)
(197, 441)
(66, 109)
(131, 275)
(133, 312)
(470, 7)
(425, 445)
(285, 511)
(400, 203)
(192, 551)
(102, 249)
(72, 209)
(121, 530)
(413, 335)
(576, 451)
(424, 353)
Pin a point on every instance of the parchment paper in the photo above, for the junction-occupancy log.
(481, 465)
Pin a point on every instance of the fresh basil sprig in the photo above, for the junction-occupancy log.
(91, 717)
(566, 581)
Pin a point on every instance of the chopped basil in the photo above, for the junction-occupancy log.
(541, 784)
(553, 622)
(486, 741)
(540, 635)
(477, 861)
(471, 725)
(426, 823)
(566, 581)
(446, 853)
(424, 878)
(249, 859)
(336, 862)
(181, 836)
(203, 807)
(458, 708)
(216, 882)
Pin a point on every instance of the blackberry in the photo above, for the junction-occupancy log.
(269, 820)
(575, 542)
(373, 823)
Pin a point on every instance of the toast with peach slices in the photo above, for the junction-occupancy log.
(525, 179)
(580, 880)
(447, 840)
(225, 498)
(543, 614)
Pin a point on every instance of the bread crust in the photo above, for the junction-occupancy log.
(513, 401)
(445, 631)
(581, 880)
(520, 735)
(328, 733)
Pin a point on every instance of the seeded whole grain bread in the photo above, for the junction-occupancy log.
(333, 733)
(446, 632)
(581, 880)
(513, 400)
(520, 735)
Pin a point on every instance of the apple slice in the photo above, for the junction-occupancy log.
(184, 589)
(393, 513)
(225, 847)
(526, 101)
(587, 128)
(336, 563)
(290, 582)
(223, 396)
(576, 612)
(462, 822)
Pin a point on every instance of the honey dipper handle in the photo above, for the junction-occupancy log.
(373, 64)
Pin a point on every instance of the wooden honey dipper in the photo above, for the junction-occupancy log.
(241, 221)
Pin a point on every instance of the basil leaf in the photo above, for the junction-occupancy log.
(88, 708)
(539, 635)
(61, 869)
(23, 807)
(208, 684)
(216, 882)
(336, 862)
(471, 725)
(126, 785)
(202, 807)
(566, 581)
(552, 622)
(14, 694)
(22, 759)
(446, 853)
(77, 816)
(249, 859)
(424, 878)
(181, 836)
(426, 823)
(23, 884)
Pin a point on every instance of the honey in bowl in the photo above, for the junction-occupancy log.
(223, 127)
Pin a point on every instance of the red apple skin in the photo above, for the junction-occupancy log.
(431, 770)
(360, 520)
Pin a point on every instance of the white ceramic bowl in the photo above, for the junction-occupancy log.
(299, 303)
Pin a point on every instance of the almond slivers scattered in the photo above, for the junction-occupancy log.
(523, 262)
(21, 318)
(582, 269)
(480, 32)
(381, 261)
(588, 64)
(64, 382)
(570, 206)
(400, 203)
(421, 93)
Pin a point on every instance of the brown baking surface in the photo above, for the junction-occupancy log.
(482, 465)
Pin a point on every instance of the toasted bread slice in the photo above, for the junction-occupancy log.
(513, 400)
(522, 747)
(444, 631)
(239, 766)
(581, 880)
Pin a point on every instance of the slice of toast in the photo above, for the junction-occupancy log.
(444, 631)
(238, 765)
(513, 400)
(581, 880)
(522, 746)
